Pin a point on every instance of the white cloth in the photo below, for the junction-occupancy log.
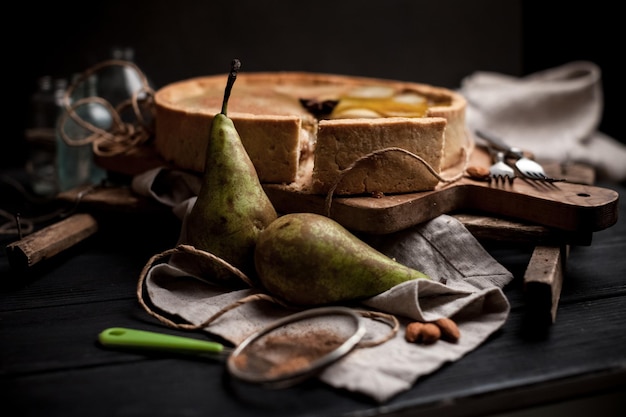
(466, 286)
(554, 114)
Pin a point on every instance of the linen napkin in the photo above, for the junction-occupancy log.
(553, 113)
(466, 285)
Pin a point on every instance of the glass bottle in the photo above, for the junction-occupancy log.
(75, 163)
(118, 83)
(45, 106)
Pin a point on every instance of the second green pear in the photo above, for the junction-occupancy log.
(310, 259)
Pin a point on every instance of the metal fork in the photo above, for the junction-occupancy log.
(526, 166)
(500, 171)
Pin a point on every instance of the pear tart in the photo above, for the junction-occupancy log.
(307, 129)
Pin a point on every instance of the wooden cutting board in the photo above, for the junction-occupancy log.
(574, 205)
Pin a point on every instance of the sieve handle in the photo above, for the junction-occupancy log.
(132, 338)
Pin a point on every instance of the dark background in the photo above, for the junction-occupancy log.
(435, 42)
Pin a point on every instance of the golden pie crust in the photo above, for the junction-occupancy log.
(289, 144)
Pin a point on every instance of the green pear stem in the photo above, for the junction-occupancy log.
(232, 76)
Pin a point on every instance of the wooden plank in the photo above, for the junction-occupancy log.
(543, 281)
(505, 230)
(110, 198)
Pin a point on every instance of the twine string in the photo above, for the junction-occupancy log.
(465, 154)
(122, 136)
(391, 320)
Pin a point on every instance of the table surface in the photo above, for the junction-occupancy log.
(52, 365)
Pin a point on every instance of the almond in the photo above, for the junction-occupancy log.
(413, 332)
(449, 330)
(423, 333)
(430, 333)
(477, 172)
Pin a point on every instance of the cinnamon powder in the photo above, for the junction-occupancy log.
(278, 355)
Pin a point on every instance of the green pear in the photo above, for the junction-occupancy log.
(231, 207)
(310, 259)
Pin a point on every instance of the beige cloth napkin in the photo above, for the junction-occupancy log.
(466, 286)
(553, 113)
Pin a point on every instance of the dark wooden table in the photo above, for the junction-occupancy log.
(51, 364)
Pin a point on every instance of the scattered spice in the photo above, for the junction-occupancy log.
(277, 356)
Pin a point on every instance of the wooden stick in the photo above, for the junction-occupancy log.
(51, 240)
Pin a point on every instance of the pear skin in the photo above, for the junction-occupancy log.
(232, 207)
(309, 259)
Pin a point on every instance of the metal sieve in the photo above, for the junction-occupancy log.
(282, 354)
